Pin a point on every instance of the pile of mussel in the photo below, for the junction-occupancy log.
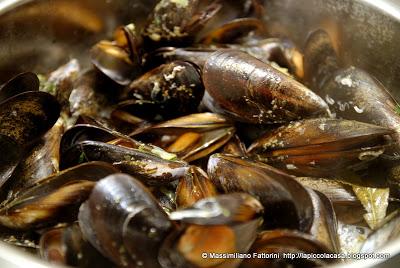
(197, 135)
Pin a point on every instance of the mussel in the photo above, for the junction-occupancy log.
(221, 224)
(52, 199)
(177, 22)
(121, 59)
(234, 147)
(105, 166)
(193, 136)
(39, 162)
(173, 89)
(193, 187)
(351, 93)
(327, 147)
(150, 168)
(253, 91)
(287, 204)
(66, 246)
(92, 96)
(283, 248)
(24, 119)
(124, 222)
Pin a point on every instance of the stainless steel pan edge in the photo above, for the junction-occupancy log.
(40, 35)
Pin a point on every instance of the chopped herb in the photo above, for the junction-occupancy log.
(82, 158)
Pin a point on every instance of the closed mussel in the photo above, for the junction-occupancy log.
(255, 92)
(124, 222)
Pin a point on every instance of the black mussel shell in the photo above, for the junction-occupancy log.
(124, 222)
(18, 84)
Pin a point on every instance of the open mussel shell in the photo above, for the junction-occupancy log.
(92, 131)
(255, 92)
(284, 248)
(66, 246)
(127, 37)
(175, 88)
(143, 109)
(326, 146)
(166, 196)
(124, 222)
(221, 224)
(194, 186)
(184, 248)
(41, 161)
(176, 22)
(389, 230)
(10, 157)
(200, 122)
(193, 146)
(28, 116)
(52, 199)
(193, 136)
(96, 132)
(150, 168)
(219, 210)
(114, 62)
(233, 30)
(82, 132)
(287, 204)
(234, 147)
(18, 84)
